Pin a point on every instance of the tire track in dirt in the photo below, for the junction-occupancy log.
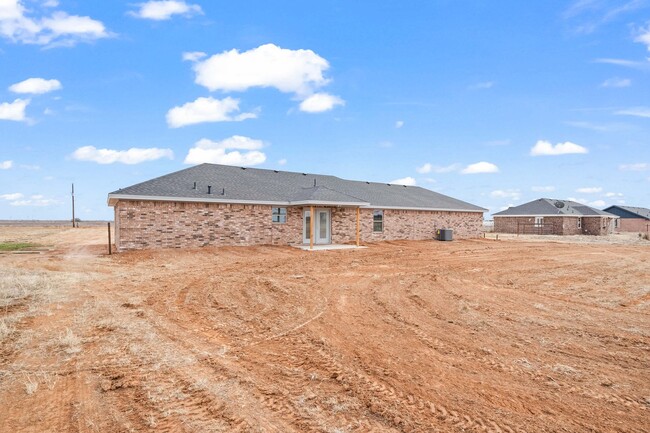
(439, 347)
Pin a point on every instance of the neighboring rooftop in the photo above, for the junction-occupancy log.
(638, 212)
(240, 184)
(552, 207)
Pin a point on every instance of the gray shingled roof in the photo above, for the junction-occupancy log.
(273, 186)
(547, 206)
(641, 211)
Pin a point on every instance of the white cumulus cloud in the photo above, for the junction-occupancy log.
(545, 148)
(408, 181)
(216, 152)
(644, 37)
(636, 166)
(480, 167)
(597, 203)
(12, 196)
(164, 10)
(399, 124)
(543, 188)
(6, 165)
(59, 28)
(319, 102)
(617, 82)
(513, 194)
(206, 110)
(131, 156)
(14, 110)
(613, 194)
(589, 190)
(193, 56)
(35, 200)
(35, 86)
(445, 168)
(289, 71)
(425, 168)
(635, 111)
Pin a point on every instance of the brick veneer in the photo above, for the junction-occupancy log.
(556, 225)
(639, 225)
(158, 224)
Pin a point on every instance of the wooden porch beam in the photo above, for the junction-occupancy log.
(311, 227)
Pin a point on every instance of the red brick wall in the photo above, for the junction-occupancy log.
(404, 224)
(556, 225)
(149, 224)
(639, 225)
(597, 225)
(560, 225)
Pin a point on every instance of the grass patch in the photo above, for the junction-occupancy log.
(16, 246)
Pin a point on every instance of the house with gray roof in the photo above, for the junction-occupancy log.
(211, 204)
(547, 216)
(632, 218)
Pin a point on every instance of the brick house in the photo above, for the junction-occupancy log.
(632, 219)
(212, 204)
(554, 217)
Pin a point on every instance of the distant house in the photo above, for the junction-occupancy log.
(211, 204)
(632, 219)
(554, 217)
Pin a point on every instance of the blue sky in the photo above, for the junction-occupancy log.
(495, 103)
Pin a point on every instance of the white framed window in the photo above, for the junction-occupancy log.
(378, 221)
(579, 223)
(539, 221)
(279, 215)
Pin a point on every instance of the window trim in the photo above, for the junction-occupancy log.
(579, 222)
(378, 212)
(279, 214)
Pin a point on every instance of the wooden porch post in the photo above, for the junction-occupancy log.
(358, 226)
(311, 227)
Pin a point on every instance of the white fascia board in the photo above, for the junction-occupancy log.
(546, 215)
(113, 198)
(428, 209)
(328, 203)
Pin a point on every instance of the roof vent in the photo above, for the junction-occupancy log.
(304, 174)
(276, 171)
(368, 183)
(559, 204)
(243, 168)
(314, 182)
(209, 189)
(194, 187)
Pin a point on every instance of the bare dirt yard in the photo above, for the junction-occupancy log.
(462, 336)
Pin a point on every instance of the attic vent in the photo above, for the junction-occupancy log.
(276, 171)
(314, 182)
(243, 168)
(194, 187)
(304, 174)
(559, 204)
(368, 183)
(209, 189)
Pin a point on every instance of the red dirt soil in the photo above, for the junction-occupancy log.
(463, 336)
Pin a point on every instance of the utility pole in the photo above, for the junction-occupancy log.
(73, 223)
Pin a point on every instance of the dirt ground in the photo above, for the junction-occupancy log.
(462, 336)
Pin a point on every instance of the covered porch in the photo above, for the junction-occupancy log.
(318, 204)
